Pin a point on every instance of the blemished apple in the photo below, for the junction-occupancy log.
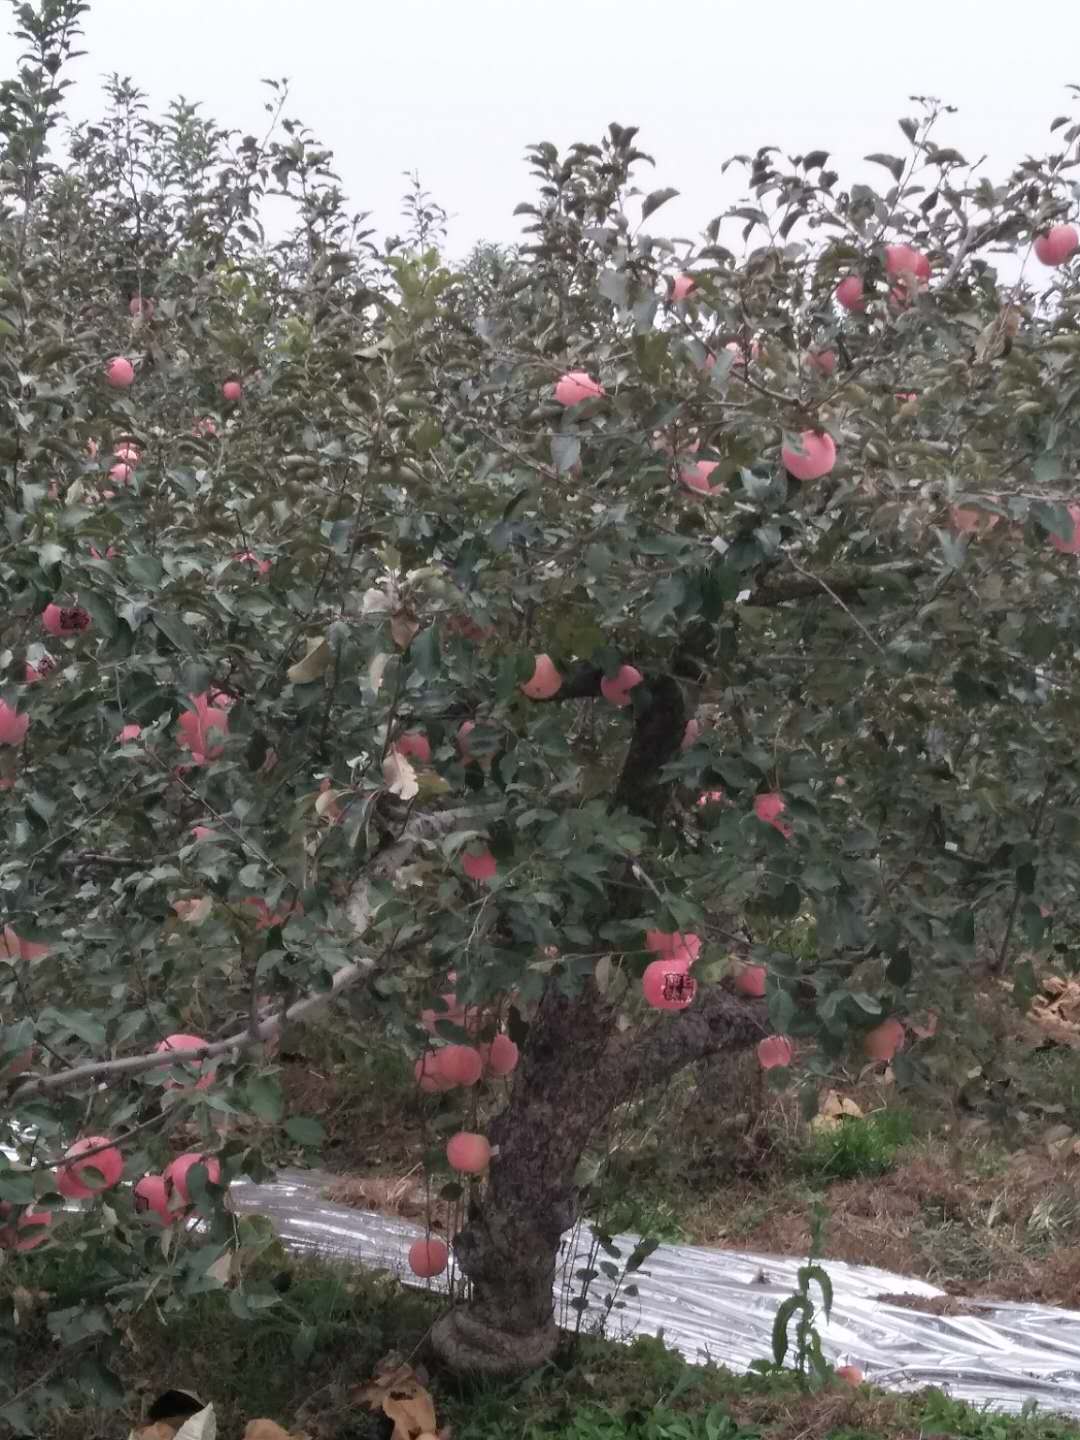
(668, 985)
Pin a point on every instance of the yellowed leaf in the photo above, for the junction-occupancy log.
(314, 664)
(403, 1400)
(376, 670)
(193, 912)
(266, 1430)
(431, 784)
(403, 627)
(400, 776)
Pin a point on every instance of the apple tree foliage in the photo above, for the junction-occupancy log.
(379, 537)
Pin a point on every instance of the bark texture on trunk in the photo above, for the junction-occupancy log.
(576, 1069)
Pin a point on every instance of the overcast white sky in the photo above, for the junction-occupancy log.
(457, 88)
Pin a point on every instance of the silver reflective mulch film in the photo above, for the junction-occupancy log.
(719, 1305)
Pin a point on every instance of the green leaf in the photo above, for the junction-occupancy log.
(263, 1097)
(424, 651)
(565, 452)
(892, 163)
(653, 201)
(176, 632)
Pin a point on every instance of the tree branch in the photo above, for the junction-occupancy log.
(718, 1021)
(244, 1039)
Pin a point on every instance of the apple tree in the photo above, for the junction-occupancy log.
(504, 652)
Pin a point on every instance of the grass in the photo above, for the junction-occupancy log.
(300, 1362)
(858, 1147)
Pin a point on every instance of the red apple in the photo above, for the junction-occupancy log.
(617, 689)
(460, 1064)
(849, 293)
(681, 287)
(775, 1051)
(231, 391)
(176, 1174)
(884, 1040)
(750, 981)
(119, 373)
(76, 1177)
(668, 985)
(576, 386)
(467, 1153)
(545, 682)
(1057, 244)
(479, 867)
(814, 458)
(428, 1257)
(414, 745)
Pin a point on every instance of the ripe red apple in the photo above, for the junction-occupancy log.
(428, 1074)
(814, 458)
(820, 360)
(501, 1056)
(884, 1040)
(119, 373)
(127, 452)
(681, 287)
(414, 745)
(768, 808)
(1057, 244)
(674, 945)
(27, 1232)
(460, 1064)
(121, 474)
(176, 1174)
(696, 477)
(775, 1051)
(76, 1177)
(668, 985)
(906, 260)
(231, 391)
(13, 726)
(545, 682)
(479, 867)
(849, 293)
(428, 1257)
(152, 1194)
(576, 386)
(468, 1153)
(185, 1042)
(1072, 546)
(750, 981)
(849, 1374)
(617, 689)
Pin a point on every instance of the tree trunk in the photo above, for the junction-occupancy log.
(575, 1071)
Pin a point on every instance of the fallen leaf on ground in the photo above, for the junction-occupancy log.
(401, 1397)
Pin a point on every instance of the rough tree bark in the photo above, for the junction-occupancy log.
(576, 1069)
